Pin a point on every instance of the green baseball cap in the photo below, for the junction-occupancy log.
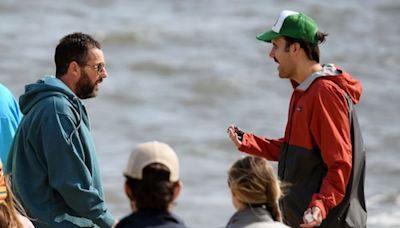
(292, 24)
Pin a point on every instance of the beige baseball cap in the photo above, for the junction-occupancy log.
(152, 152)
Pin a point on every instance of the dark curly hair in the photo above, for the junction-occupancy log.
(73, 47)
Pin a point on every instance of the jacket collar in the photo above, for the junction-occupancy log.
(326, 70)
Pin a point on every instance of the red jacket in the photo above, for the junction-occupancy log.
(315, 155)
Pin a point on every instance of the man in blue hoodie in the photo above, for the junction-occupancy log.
(52, 162)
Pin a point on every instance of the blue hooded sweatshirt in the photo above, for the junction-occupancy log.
(53, 164)
(10, 115)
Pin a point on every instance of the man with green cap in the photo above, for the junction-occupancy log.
(321, 156)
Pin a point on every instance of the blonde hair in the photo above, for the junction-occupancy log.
(9, 206)
(252, 181)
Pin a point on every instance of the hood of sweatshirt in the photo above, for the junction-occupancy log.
(50, 86)
(341, 78)
(43, 88)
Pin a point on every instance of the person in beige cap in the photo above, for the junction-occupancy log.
(152, 185)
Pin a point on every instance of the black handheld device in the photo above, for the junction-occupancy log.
(239, 133)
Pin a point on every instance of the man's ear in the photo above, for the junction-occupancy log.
(74, 68)
(177, 190)
(72, 76)
(295, 47)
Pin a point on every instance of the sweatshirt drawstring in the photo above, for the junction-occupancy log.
(76, 100)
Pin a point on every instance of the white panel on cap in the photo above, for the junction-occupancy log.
(278, 24)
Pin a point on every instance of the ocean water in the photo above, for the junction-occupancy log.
(181, 71)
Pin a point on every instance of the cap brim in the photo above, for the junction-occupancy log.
(268, 36)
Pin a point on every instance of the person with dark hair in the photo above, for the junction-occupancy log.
(321, 156)
(152, 185)
(255, 194)
(10, 116)
(52, 162)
